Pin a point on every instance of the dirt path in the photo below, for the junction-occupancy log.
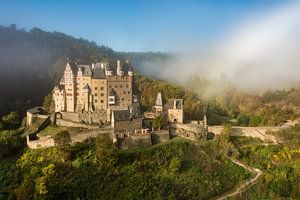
(244, 186)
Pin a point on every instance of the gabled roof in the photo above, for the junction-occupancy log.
(86, 70)
(73, 67)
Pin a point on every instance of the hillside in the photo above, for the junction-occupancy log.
(177, 169)
(31, 62)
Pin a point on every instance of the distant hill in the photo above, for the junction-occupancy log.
(31, 62)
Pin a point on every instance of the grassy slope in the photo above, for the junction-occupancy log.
(176, 169)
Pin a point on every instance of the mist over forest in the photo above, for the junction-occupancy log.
(32, 62)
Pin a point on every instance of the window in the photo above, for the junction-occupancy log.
(95, 94)
(102, 94)
(102, 101)
(127, 86)
(128, 92)
(95, 100)
(116, 86)
(102, 88)
(121, 86)
(96, 88)
(124, 92)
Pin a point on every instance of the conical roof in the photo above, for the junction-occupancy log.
(158, 101)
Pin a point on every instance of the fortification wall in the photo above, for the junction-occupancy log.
(135, 141)
(256, 132)
(70, 116)
(95, 117)
(90, 134)
(42, 142)
(160, 136)
(48, 141)
(189, 131)
(62, 122)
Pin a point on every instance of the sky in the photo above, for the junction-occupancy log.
(137, 25)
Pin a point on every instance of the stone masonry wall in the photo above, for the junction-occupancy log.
(136, 141)
(62, 122)
(160, 136)
(189, 131)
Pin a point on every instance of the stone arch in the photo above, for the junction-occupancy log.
(58, 115)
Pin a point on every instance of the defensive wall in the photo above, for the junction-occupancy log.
(189, 131)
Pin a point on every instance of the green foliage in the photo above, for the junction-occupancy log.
(160, 122)
(280, 165)
(106, 151)
(148, 89)
(62, 139)
(10, 142)
(48, 104)
(11, 121)
(178, 169)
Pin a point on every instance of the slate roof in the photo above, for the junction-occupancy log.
(74, 67)
(124, 65)
(86, 70)
(158, 101)
(98, 73)
(37, 110)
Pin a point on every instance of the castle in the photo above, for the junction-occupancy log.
(96, 90)
(100, 98)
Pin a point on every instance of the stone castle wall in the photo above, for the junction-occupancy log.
(48, 141)
(62, 122)
(135, 141)
(160, 136)
(189, 131)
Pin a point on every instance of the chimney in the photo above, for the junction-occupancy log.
(119, 69)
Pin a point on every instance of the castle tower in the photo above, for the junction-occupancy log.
(69, 78)
(175, 111)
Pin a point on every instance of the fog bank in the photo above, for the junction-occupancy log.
(261, 52)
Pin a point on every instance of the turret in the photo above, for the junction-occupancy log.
(120, 71)
(86, 91)
(108, 71)
(79, 73)
(130, 70)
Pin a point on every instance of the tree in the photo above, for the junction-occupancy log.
(243, 120)
(159, 122)
(106, 151)
(10, 142)
(48, 103)
(11, 121)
